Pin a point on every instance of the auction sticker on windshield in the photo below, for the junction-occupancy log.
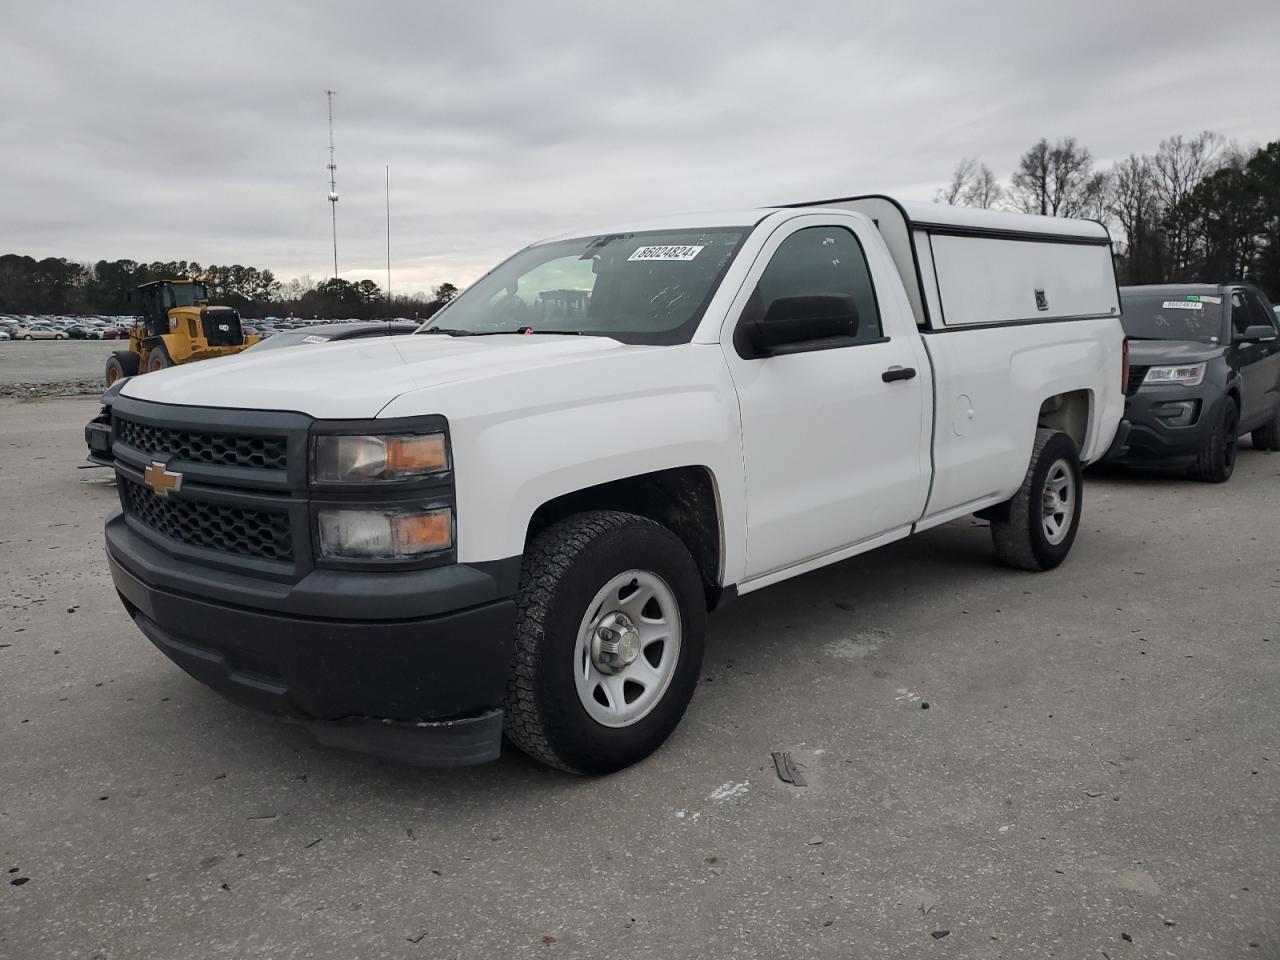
(1181, 305)
(667, 252)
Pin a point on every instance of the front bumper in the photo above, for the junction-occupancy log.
(419, 684)
(1153, 438)
(97, 438)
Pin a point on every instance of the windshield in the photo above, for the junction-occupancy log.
(183, 294)
(647, 287)
(1172, 316)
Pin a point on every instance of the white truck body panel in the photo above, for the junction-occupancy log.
(812, 455)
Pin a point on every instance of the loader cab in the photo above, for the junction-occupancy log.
(156, 299)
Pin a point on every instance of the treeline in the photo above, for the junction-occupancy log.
(1198, 209)
(56, 285)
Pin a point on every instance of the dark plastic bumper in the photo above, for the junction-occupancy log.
(97, 437)
(1153, 438)
(426, 690)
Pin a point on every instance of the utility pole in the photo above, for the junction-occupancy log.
(388, 237)
(333, 185)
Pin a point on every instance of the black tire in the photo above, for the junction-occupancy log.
(565, 567)
(1268, 437)
(121, 364)
(158, 359)
(28, 337)
(59, 336)
(1018, 531)
(1217, 461)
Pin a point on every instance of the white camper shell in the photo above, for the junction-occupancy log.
(964, 267)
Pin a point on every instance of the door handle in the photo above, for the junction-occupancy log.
(898, 373)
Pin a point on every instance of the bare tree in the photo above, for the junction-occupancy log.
(1178, 166)
(961, 182)
(984, 189)
(1134, 207)
(972, 184)
(1055, 180)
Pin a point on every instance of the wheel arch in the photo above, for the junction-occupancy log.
(685, 500)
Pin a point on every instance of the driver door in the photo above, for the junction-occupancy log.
(835, 434)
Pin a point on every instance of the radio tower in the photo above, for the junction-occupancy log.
(333, 186)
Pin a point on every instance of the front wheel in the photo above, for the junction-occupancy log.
(158, 359)
(1217, 461)
(28, 337)
(609, 638)
(1039, 524)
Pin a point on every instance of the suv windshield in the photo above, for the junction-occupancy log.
(1171, 316)
(649, 288)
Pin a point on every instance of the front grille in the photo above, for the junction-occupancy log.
(199, 446)
(1136, 376)
(250, 533)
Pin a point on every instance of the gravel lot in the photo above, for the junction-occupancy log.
(51, 368)
(1095, 773)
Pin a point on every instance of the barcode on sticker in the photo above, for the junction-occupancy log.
(1181, 305)
(666, 252)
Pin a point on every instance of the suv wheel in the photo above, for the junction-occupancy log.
(609, 638)
(1217, 461)
(1040, 522)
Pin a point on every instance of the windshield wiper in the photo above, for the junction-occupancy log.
(448, 331)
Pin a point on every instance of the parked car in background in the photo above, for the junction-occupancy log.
(1204, 369)
(327, 332)
(84, 332)
(5, 334)
(41, 332)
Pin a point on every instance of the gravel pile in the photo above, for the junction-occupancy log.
(53, 388)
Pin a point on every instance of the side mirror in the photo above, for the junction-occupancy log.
(793, 320)
(1259, 333)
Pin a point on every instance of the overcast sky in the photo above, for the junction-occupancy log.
(176, 131)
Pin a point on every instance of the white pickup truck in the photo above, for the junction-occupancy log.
(517, 519)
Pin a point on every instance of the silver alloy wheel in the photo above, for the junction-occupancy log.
(628, 647)
(1058, 502)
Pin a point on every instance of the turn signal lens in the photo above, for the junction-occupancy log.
(394, 534)
(362, 458)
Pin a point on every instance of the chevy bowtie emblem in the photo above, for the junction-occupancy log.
(160, 479)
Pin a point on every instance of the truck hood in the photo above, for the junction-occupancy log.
(1149, 353)
(355, 379)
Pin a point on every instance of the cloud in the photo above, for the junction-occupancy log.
(162, 131)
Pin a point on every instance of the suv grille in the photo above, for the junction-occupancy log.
(251, 533)
(1136, 376)
(268, 453)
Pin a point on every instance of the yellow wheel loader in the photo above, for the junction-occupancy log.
(176, 325)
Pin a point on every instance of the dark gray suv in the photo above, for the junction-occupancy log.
(1204, 370)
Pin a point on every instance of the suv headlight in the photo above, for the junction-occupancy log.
(382, 533)
(354, 458)
(1190, 375)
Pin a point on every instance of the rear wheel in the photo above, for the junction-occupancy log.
(158, 359)
(609, 639)
(121, 364)
(1040, 522)
(1217, 461)
(1268, 437)
(59, 336)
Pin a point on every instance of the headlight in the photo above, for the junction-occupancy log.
(1190, 375)
(361, 459)
(390, 533)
